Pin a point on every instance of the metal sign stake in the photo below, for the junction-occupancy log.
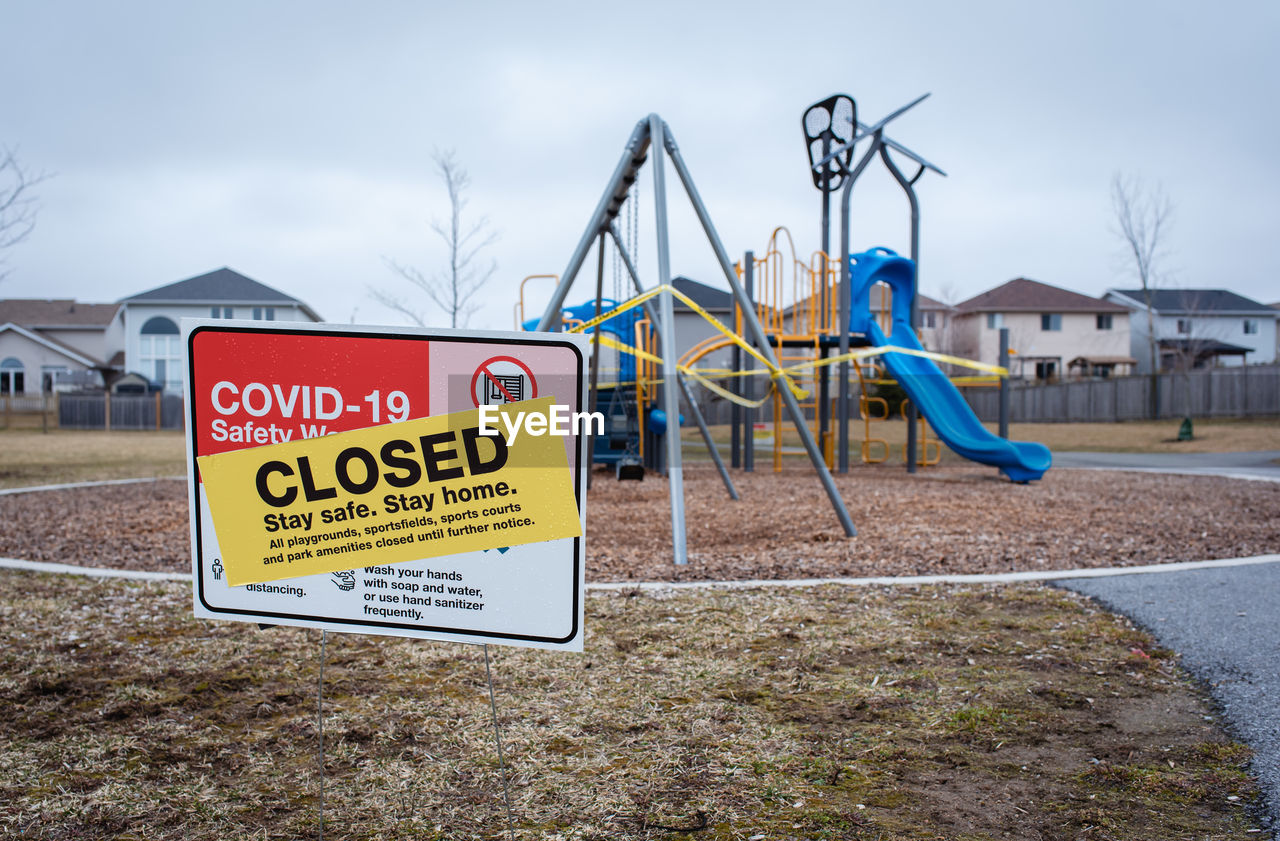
(497, 737)
(320, 727)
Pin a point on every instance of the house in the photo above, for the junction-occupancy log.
(934, 329)
(1275, 305)
(54, 345)
(1053, 332)
(691, 328)
(151, 344)
(1199, 327)
(63, 345)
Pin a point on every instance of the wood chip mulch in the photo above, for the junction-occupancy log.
(949, 520)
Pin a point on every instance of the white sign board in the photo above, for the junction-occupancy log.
(283, 388)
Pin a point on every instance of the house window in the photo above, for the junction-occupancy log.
(264, 313)
(1051, 321)
(1104, 321)
(930, 319)
(160, 352)
(13, 377)
(1184, 326)
(49, 375)
(221, 312)
(1046, 370)
(995, 320)
(1250, 326)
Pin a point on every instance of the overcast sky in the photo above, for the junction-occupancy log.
(292, 141)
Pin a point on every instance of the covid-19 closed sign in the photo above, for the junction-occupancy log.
(411, 483)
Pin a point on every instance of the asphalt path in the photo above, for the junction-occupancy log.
(1225, 622)
(1263, 464)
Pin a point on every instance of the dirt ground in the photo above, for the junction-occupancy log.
(811, 714)
(948, 520)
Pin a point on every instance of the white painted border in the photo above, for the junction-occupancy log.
(100, 483)
(1220, 472)
(881, 581)
(93, 572)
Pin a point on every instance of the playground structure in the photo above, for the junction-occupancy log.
(792, 342)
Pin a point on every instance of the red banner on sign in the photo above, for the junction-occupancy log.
(253, 389)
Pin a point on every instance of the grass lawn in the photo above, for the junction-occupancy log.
(821, 713)
(30, 457)
(806, 713)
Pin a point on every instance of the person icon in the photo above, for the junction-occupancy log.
(217, 569)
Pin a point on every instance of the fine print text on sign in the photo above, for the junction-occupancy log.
(347, 480)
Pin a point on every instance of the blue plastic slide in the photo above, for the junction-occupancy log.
(930, 389)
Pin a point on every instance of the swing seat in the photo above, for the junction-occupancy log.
(630, 468)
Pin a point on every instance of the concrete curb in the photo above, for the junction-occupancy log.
(882, 581)
(98, 484)
(92, 572)
(1221, 473)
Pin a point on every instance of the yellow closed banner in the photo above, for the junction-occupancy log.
(392, 493)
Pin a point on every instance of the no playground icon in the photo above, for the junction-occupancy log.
(502, 379)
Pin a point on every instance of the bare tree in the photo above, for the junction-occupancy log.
(17, 204)
(1198, 334)
(454, 287)
(1142, 217)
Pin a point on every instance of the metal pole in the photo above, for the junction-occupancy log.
(735, 414)
(595, 348)
(1004, 383)
(757, 332)
(497, 738)
(619, 182)
(749, 364)
(907, 187)
(824, 373)
(706, 436)
(846, 300)
(320, 726)
(666, 309)
(653, 319)
(842, 330)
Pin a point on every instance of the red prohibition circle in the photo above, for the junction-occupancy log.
(533, 384)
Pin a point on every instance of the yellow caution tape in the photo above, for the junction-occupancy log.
(773, 371)
(611, 342)
(726, 393)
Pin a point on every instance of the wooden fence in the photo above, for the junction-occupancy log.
(120, 411)
(1237, 392)
(28, 411)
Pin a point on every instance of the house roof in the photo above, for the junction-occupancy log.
(1101, 360)
(53, 313)
(707, 297)
(1204, 347)
(874, 296)
(923, 300)
(1195, 301)
(53, 344)
(224, 286)
(1025, 295)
